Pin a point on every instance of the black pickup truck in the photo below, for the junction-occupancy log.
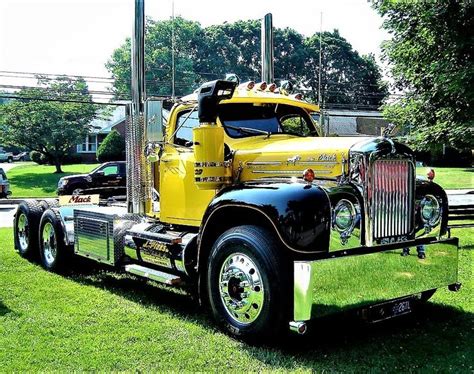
(108, 179)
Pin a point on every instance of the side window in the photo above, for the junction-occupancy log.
(187, 120)
(110, 170)
(294, 124)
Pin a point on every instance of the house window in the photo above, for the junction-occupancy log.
(89, 145)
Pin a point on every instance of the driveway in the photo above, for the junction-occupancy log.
(6, 215)
(7, 166)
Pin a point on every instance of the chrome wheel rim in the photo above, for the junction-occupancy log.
(241, 288)
(49, 243)
(22, 232)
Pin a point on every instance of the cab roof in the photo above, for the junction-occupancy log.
(254, 96)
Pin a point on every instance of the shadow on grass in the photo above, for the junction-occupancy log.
(4, 309)
(434, 336)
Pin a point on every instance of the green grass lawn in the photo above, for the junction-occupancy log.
(451, 178)
(97, 319)
(34, 180)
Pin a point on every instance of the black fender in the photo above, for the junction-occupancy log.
(298, 213)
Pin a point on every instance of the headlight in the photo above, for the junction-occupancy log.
(430, 210)
(344, 216)
(62, 182)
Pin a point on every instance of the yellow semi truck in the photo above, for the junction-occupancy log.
(237, 196)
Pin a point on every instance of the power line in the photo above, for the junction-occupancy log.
(8, 96)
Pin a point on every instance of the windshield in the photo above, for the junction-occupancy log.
(240, 119)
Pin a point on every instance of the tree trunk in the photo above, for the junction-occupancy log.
(58, 167)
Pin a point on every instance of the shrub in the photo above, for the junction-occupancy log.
(38, 157)
(112, 148)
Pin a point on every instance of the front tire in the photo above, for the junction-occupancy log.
(26, 224)
(53, 250)
(247, 283)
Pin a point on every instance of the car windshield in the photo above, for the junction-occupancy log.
(243, 120)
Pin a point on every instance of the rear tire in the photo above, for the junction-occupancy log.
(54, 252)
(248, 283)
(49, 203)
(26, 224)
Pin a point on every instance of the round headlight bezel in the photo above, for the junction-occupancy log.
(344, 216)
(430, 210)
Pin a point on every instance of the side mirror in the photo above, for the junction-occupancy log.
(154, 120)
(99, 173)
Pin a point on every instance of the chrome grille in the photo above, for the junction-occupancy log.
(391, 195)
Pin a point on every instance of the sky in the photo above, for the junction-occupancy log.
(77, 37)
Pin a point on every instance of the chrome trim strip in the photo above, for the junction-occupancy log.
(289, 172)
(279, 163)
(209, 164)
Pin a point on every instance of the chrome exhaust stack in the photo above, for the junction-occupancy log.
(138, 174)
(267, 49)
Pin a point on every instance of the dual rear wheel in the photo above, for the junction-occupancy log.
(38, 233)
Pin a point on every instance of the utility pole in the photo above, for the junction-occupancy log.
(173, 94)
(320, 57)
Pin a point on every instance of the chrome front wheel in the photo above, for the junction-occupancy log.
(247, 283)
(241, 288)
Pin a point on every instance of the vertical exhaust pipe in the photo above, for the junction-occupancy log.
(138, 179)
(267, 49)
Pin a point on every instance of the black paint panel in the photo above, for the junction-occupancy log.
(301, 212)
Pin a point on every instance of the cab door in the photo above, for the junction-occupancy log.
(181, 202)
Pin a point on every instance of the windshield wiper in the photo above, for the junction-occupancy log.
(248, 130)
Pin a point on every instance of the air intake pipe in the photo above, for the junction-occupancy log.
(210, 171)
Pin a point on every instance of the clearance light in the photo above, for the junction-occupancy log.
(308, 175)
(272, 87)
(298, 96)
(430, 173)
(262, 86)
(247, 85)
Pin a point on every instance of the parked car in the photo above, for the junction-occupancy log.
(4, 185)
(108, 179)
(22, 156)
(6, 156)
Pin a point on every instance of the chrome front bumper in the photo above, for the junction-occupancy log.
(351, 281)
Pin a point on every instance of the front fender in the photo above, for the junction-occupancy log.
(299, 212)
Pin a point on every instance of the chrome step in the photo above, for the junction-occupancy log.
(156, 275)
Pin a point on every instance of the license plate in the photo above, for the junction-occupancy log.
(389, 310)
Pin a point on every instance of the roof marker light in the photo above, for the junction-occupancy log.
(262, 86)
(247, 85)
(272, 87)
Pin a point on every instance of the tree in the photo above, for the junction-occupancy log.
(431, 54)
(158, 59)
(346, 77)
(112, 148)
(204, 54)
(50, 119)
